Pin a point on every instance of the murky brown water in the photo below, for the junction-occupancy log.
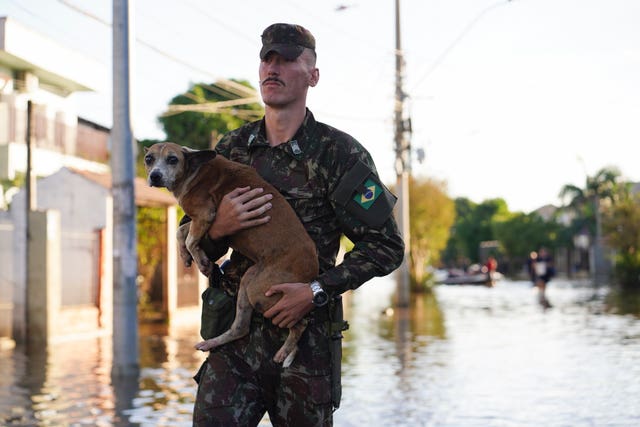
(466, 356)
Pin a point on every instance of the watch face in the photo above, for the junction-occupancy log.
(320, 298)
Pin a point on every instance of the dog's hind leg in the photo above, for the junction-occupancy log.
(288, 351)
(239, 327)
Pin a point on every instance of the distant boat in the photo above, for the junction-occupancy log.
(456, 277)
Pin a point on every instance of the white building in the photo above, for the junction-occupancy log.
(70, 290)
(33, 68)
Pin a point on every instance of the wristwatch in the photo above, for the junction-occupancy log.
(320, 297)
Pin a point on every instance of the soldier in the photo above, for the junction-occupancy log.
(331, 182)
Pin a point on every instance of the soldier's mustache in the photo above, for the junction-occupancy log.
(272, 79)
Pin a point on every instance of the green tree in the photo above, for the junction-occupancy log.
(474, 224)
(621, 228)
(587, 204)
(200, 116)
(12, 186)
(431, 215)
(519, 234)
(150, 256)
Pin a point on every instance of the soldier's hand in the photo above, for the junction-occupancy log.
(242, 208)
(292, 307)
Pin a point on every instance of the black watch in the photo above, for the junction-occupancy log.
(320, 297)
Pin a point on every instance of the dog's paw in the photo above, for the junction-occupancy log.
(186, 257)
(284, 358)
(206, 267)
(205, 345)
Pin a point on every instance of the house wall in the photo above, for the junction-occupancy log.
(57, 141)
(6, 273)
(92, 142)
(84, 208)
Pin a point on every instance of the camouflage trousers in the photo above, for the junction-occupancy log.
(239, 381)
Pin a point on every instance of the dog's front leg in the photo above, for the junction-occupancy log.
(181, 236)
(197, 231)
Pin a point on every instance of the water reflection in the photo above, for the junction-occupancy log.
(463, 356)
(474, 356)
(623, 302)
(67, 382)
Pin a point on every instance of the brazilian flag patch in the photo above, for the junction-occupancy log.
(370, 193)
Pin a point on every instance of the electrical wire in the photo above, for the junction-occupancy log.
(222, 24)
(236, 88)
(456, 41)
(60, 30)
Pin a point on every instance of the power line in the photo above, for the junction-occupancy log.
(457, 40)
(235, 88)
(211, 107)
(84, 12)
(59, 29)
(18, 5)
(222, 24)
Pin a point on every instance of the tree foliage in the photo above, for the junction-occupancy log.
(608, 197)
(218, 109)
(621, 227)
(521, 233)
(431, 215)
(150, 253)
(9, 187)
(474, 224)
(603, 187)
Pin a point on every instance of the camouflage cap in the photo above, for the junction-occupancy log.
(288, 40)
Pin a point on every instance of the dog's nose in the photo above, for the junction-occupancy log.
(155, 178)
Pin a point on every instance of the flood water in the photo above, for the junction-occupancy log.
(464, 356)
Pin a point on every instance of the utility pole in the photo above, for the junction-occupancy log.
(403, 169)
(32, 199)
(125, 259)
(30, 205)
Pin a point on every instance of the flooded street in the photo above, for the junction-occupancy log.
(465, 356)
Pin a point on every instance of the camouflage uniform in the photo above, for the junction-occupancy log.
(240, 381)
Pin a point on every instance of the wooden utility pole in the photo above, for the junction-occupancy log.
(125, 259)
(403, 169)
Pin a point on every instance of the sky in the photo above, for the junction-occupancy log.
(507, 99)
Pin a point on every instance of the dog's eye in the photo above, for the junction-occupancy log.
(172, 160)
(148, 159)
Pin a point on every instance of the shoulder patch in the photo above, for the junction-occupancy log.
(362, 194)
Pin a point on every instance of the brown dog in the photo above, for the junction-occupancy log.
(281, 249)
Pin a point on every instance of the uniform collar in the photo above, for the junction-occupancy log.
(296, 147)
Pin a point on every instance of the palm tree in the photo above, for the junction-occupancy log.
(586, 203)
(604, 185)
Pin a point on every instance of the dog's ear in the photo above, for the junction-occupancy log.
(146, 149)
(186, 149)
(195, 159)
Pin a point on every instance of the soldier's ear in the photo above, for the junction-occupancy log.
(314, 77)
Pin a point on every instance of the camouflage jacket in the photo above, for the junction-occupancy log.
(307, 170)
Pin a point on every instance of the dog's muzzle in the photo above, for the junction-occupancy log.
(155, 179)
